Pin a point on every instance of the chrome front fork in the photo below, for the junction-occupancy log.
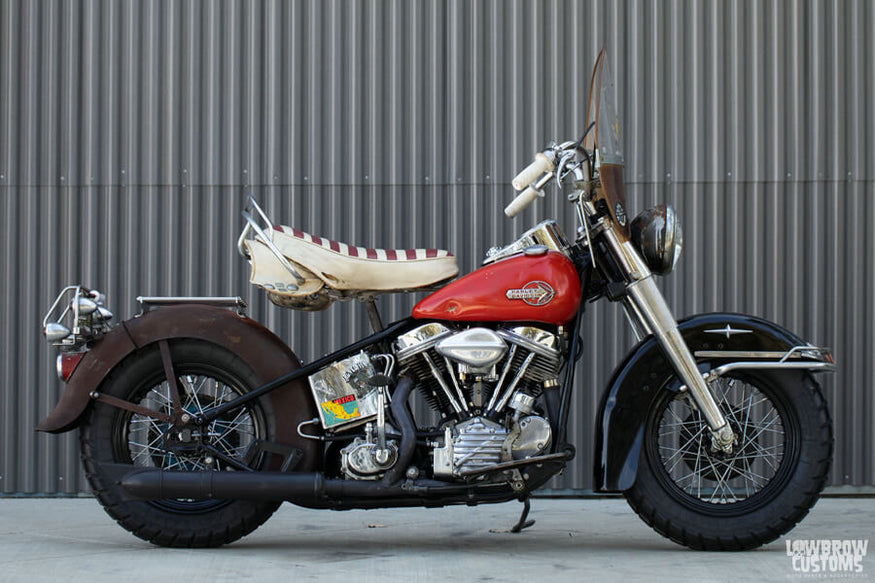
(648, 307)
(659, 319)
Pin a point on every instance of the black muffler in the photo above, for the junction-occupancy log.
(303, 488)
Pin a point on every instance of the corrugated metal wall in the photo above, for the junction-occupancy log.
(129, 131)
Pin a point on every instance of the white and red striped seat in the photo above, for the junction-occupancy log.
(350, 268)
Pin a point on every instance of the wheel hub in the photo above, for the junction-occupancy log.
(731, 464)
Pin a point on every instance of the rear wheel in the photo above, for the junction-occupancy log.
(712, 500)
(209, 376)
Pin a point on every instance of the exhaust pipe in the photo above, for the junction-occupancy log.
(310, 487)
(302, 488)
(153, 484)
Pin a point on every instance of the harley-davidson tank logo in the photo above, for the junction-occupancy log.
(534, 293)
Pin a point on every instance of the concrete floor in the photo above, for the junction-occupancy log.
(574, 540)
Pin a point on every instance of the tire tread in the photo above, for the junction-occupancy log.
(662, 523)
(245, 516)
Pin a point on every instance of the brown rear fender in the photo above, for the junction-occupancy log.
(260, 348)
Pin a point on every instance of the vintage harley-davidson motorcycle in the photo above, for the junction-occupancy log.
(196, 422)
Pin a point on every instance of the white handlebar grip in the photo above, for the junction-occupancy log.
(522, 200)
(533, 171)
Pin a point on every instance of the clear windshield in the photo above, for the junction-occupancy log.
(602, 109)
(604, 139)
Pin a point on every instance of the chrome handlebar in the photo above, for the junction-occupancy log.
(557, 161)
(528, 196)
(544, 162)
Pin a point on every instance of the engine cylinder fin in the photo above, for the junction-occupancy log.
(427, 384)
(443, 383)
(440, 383)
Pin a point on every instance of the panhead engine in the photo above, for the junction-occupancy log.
(484, 383)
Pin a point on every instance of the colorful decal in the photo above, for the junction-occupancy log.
(534, 293)
(340, 410)
(343, 393)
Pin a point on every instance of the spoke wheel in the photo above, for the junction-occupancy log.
(714, 477)
(208, 375)
(711, 500)
(145, 442)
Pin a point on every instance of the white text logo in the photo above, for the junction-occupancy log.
(826, 556)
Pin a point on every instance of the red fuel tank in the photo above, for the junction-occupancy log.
(544, 288)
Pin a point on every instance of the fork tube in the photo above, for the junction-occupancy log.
(651, 305)
(658, 318)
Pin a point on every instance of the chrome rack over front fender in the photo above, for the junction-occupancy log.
(802, 357)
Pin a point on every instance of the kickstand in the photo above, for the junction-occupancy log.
(523, 523)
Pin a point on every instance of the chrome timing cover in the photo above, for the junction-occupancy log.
(470, 445)
(479, 443)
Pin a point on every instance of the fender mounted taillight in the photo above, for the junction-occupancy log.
(67, 363)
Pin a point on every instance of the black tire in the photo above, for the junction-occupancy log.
(694, 496)
(112, 435)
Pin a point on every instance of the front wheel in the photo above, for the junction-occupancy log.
(208, 376)
(710, 500)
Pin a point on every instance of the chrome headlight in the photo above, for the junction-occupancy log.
(657, 234)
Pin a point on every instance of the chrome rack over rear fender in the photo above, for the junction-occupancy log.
(236, 302)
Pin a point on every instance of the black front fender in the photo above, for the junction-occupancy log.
(636, 382)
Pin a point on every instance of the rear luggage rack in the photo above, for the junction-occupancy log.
(235, 302)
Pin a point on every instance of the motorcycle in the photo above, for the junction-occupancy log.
(196, 422)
